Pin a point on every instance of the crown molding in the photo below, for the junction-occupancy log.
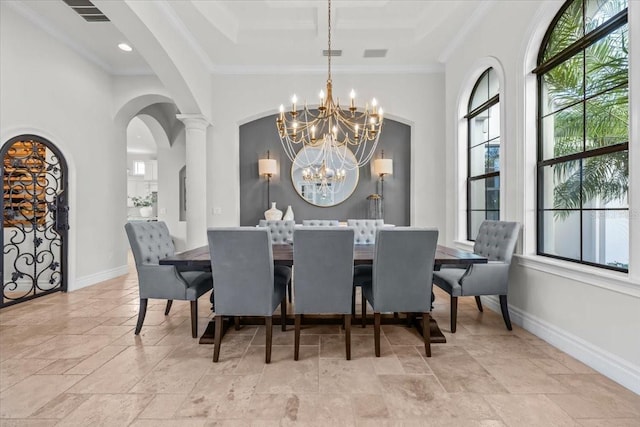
(321, 69)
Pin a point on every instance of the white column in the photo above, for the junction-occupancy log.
(196, 183)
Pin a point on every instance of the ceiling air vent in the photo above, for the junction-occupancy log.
(375, 53)
(87, 10)
(334, 52)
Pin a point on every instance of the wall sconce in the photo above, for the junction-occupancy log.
(267, 168)
(382, 167)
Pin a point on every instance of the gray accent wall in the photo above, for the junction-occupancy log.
(259, 136)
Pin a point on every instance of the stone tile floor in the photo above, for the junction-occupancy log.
(73, 360)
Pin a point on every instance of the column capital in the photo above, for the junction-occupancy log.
(194, 121)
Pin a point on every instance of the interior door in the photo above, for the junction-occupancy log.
(35, 219)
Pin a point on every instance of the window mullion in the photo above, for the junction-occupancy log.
(592, 235)
(471, 132)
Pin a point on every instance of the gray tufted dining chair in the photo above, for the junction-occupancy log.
(364, 234)
(149, 242)
(281, 234)
(496, 241)
(281, 230)
(365, 230)
(246, 283)
(320, 222)
(323, 260)
(402, 278)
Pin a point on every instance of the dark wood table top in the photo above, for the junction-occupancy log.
(199, 258)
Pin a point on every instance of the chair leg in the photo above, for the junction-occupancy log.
(194, 319)
(141, 313)
(283, 314)
(166, 310)
(364, 310)
(426, 333)
(376, 332)
(289, 291)
(296, 350)
(454, 313)
(353, 302)
(479, 304)
(268, 326)
(347, 335)
(505, 311)
(236, 323)
(218, 338)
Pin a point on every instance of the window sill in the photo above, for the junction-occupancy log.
(610, 280)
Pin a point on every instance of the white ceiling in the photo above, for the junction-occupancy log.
(272, 35)
(139, 138)
(97, 41)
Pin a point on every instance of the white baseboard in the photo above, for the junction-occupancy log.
(92, 279)
(608, 364)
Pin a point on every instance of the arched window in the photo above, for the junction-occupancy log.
(583, 135)
(483, 166)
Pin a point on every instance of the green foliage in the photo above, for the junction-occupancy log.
(599, 116)
(139, 201)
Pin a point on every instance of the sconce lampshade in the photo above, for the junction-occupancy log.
(383, 166)
(267, 167)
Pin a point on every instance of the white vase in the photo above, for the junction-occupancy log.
(146, 211)
(273, 213)
(288, 215)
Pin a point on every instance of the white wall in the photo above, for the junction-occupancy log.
(413, 99)
(47, 89)
(590, 313)
(170, 161)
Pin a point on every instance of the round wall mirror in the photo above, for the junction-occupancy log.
(324, 182)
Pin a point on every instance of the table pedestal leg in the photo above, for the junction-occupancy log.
(208, 337)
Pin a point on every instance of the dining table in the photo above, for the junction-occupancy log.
(200, 259)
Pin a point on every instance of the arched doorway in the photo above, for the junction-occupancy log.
(34, 219)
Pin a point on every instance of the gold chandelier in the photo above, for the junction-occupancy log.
(340, 133)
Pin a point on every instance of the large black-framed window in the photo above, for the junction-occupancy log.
(583, 135)
(483, 152)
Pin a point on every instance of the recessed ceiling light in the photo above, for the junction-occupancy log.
(125, 47)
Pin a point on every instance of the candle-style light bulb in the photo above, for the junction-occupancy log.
(352, 95)
(281, 112)
(356, 129)
(380, 113)
(294, 99)
(321, 98)
(374, 106)
(313, 132)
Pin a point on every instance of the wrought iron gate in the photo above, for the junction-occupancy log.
(34, 219)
